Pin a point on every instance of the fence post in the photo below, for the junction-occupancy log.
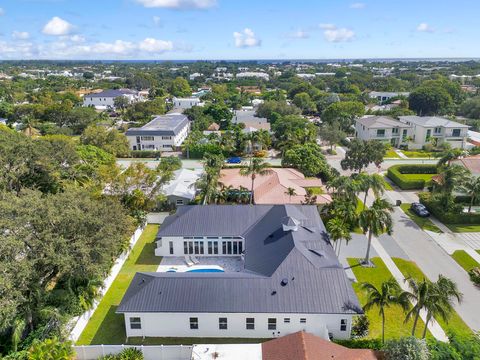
(103, 351)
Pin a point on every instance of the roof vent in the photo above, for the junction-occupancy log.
(290, 224)
(284, 282)
(274, 292)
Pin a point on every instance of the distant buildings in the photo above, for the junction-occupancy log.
(253, 74)
(185, 103)
(105, 99)
(383, 96)
(164, 133)
(414, 131)
(181, 190)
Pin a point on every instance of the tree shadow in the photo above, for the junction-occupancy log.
(147, 256)
(112, 329)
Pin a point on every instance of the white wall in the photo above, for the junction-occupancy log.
(163, 246)
(161, 352)
(185, 103)
(159, 143)
(178, 325)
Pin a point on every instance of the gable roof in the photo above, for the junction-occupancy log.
(374, 122)
(305, 346)
(472, 163)
(285, 271)
(431, 121)
(182, 184)
(112, 93)
(169, 124)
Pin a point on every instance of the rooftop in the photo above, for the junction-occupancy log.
(432, 121)
(472, 163)
(170, 124)
(113, 93)
(374, 122)
(288, 268)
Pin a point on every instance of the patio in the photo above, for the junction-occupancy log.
(228, 264)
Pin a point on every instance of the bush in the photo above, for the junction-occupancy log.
(374, 344)
(260, 153)
(360, 327)
(475, 275)
(450, 216)
(408, 348)
(396, 172)
(145, 154)
(198, 150)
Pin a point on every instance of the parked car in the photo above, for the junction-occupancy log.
(419, 209)
(234, 160)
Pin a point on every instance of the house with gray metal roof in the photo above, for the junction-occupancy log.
(383, 128)
(106, 99)
(290, 278)
(163, 133)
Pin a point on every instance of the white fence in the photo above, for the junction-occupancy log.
(82, 320)
(161, 352)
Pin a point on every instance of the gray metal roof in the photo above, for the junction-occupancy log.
(169, 124)
(373, 122)
(431, 121)
(112, 93)
(316, 281)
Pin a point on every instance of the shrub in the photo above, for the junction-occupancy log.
(396, 172)
(475, 275)
(145, 154)
(260, 153)
(452, 215)
(374, 344)
(360, 327)
(408, 348)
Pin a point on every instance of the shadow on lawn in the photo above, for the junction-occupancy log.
(112, 329)
(147, 256)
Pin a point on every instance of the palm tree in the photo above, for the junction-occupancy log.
(344, 209)
(345, 187)
(471, 187)
(209, 181)
(387, 295)
(447, 156)
(256, 167)
(290, 192)
(376, 220)
(419, 291)
(338, 230)
(440, 300)
(368, 182)
(450, 178)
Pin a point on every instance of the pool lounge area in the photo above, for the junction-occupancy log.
(205, 265)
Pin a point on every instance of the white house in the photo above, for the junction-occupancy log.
(426, 128)
(105, 99)
(164, 133)
(253, 74)
(185, 103)
(414, 131)
(181, 190)
(383, 96)
(291, 279)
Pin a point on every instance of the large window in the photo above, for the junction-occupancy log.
(456, 132)
(222, 323)
(212, 247)
(343, 325)
(148, 138)
(135, 323)
(250, 323)
(193, 323)
(272, 324)
(232, 247)
(170, 246)
(381, 133)
(193, 247)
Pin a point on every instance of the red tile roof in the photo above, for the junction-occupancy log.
(472, 163)
(305, 346)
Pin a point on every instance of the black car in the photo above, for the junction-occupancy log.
(419, 209)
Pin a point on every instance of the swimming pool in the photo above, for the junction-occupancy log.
(205, 270)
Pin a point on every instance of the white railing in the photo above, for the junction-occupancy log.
(160, 352)
(82, 320)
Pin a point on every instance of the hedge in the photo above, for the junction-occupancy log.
(447, 217)
(396, 172)
(374, 344)
(145, 154)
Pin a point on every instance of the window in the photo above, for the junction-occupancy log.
(222, 323)
(232, 247)
(272, 324)
(343, 325)
(437, 130)
(250, 323)
(381, 133)
(166, 137)
(150, 147)
(303, 320)
(185, 247)
(135, 323)
(286, 320)
(166, 146)
(194, 323)
(456, 132)
(179, 202)
(404, 135)
(429, 133)
(170, 245)
(148, 138)
(395, 130)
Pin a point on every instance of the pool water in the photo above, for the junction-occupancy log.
(205, 270)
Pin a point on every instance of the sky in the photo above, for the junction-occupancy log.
(238, 29)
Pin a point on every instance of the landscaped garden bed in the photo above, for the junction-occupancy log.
(412, 177)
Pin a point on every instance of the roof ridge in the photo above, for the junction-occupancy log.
(304, 345)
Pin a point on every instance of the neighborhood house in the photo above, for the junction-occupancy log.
(106, 99)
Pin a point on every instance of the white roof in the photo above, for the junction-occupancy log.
(431, 121)
(183, 183)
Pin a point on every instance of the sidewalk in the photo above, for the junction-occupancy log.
(435, 329)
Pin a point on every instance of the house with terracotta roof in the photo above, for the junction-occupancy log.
(272, 188)
(471, 163)
(305, 346)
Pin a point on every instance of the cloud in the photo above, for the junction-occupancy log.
(57, 26)
(246, 39)
(178, 4)
(424, 27)
(77, 38)
(20, 35)
(152, 45)
(358, 5)
(2, 12)
(299, 34)
(332, 33)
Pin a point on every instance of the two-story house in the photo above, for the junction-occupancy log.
(106, 99)
(383, 128)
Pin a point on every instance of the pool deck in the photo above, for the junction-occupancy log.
(227, 264)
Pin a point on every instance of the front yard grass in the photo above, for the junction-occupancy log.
(394, 315)
(190, 341)
(315, 190)
(387, 184)
(455, 323)
(105, 326)
(465, 260)
(391, 154)
(459, 228)
(424, 223)
(418, 154)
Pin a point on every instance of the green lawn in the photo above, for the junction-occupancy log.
(410, 269)
(418, 154)
(387, 184)
(315, 190)
(394, 316)
(106, 327)
(465, 260)
(426, 177)
(190, 341)
(424, 223)
(464, 228)
(391, 154)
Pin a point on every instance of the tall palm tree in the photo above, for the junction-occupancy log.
(440, 300)
(372, 182)
(387, 295)
(376, 220)
(290, 192)
(448, 155)
(256, 167)
(418, 293)
(450, 178)
(338, 230)
(209, 181)
(471, 187)
(344, 209)
(345, 187)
